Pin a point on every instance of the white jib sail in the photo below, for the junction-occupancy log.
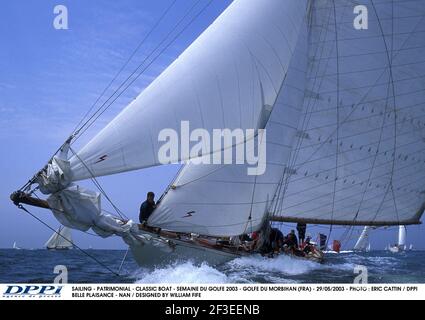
(220, 81)
(61, 239)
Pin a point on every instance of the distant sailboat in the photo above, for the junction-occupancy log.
(343, 109)
(15, 246)
(368, 248)
(60, 240)
(401, 245)
(363, 243)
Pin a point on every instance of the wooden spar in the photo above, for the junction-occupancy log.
(345, 222)
(19, 197)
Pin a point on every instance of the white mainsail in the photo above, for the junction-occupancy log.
(360, 158)
(402, 236)
(363, 242)
(344, 142)
(61, 239)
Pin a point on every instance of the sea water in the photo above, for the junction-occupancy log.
(36, 266)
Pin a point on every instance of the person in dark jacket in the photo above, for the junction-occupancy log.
(147, 208)
(291, 240)
(276, 239)
(301, 228)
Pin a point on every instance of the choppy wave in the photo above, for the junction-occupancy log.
(240, 270)
(186, 272)
(21, 266)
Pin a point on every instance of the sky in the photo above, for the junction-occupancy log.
(49, 78)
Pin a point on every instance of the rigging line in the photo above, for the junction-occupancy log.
(390, 60)
(148, 65)
(306, 177)
(294, 154)
(345, 189)
(305, 121)
(330, 75)
(135, 71)
(122, 262)
(365, 118)
(373, 36)
(376, 101)
(75, 137)
(351, 205)
(377, 52)
(370, 145)
(376, 154)
(75, 131)
(255, 184)
(60, 210)
(338, 120)
(97, 184)
(307, 113)
(20, 206)
(343, 200)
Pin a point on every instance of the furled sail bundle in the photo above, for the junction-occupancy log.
(343, 110)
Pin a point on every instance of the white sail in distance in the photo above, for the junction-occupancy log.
(402, 236)
(363, 241)
(61, 239)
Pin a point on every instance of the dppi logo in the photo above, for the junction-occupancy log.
(38, 291)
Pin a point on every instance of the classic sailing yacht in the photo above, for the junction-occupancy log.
(15, 246)
(344, 110)
(60, 240)
(363, 243)
(401, 244)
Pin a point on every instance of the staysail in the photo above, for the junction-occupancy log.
(360, 157)
(61, 239)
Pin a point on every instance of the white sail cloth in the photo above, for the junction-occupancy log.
(80, 208)
(220, 81)
(356, 154)
(363, 241)
(361, 158)
(76, 207)
(223, 200)
(402, 231)
(61, 239)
